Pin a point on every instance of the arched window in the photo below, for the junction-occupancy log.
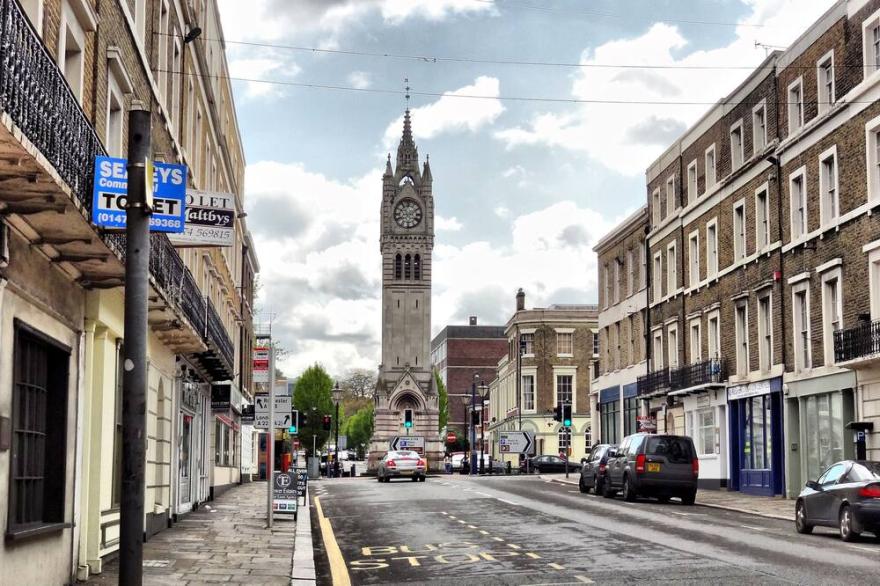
(417, 268)
(398, 266)
(407, 267)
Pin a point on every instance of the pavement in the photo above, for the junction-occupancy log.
(226, 541)
(769, 507)
(532, 530)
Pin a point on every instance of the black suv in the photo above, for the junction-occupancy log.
(661, 466)
(593, 468)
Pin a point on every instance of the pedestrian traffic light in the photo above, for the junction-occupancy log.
(408, 418)
(566, 415)
(325, 422)
(294, 426)
(557, 413)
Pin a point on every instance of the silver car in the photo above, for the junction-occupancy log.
(406, 464)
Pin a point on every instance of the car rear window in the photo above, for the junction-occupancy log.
(862, 471)
(676, 450)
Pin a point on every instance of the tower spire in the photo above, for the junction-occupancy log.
(407, 153)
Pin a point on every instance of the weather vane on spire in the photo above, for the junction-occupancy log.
(407, 88)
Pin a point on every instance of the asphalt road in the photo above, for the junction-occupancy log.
(524, 530)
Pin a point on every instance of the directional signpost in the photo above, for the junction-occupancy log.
(516, 442)
(415, 443)
(282, 415)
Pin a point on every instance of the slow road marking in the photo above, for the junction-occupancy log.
(338, 568)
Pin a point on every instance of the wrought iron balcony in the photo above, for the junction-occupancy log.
(220, 355)
(862, 341)
(653, 383)
(706, 372)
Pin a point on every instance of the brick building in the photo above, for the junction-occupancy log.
(550, 353)
(623, 304)
(761, 243)
(71, 71)
(457, 353)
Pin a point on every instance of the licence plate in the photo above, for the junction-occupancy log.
(653, 467)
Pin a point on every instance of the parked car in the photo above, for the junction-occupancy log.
(846, 496)
(549, 464)
(660, 466)
(594, 467)
(405, 464)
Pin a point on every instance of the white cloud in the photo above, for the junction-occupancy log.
(442, 224)
(396, 11)
(627, 137)
(360, 79)
(502, 212)
(449, 114)
(243, 67)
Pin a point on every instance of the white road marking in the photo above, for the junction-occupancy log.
(472, 526)
(484, 532)
(460, 521)
(753, 528)
(508, 502)
(497, 539)
(484, 494)
(584, 579)
(513, 546)
(556, 566)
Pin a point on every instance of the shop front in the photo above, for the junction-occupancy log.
(705, 414)
(191, 443)
(756, 437)
(817, 411)
(609, 415)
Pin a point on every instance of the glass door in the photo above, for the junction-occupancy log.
(185, 462)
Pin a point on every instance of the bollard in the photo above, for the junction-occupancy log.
(352, 473)
(508, 467)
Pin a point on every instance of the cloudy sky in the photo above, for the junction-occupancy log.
(523, 187)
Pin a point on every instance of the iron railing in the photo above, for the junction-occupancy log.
(218, 337)
(39, 100)
(653, 382)
(713, 370)
(858, 342)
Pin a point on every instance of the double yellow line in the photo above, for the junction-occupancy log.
(338, 569)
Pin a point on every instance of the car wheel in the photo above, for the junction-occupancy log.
(378, 477)
(583, 487)
(598, 486)
(629, 495)
(689, 498)
(607, 491)
(421, 478)
(847, 533)
(800, 519)
(415, 478)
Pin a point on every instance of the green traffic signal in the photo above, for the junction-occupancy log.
(408, 424)
(291, 429)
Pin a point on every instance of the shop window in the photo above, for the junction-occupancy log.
(823, 423)
(39, 431)
(703, 430)
(630, 414)
(757, 433)
(610, 414)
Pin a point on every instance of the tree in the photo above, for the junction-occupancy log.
(312, 398)
(442, 401)
(359, 383)
(359, 427)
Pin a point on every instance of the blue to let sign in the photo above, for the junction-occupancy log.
(111, 192)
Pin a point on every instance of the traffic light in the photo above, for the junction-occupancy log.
(408, 418)
(294, 426)
(566, 415)
(304, 419)
(475, 417)
(557, 414)
(325, 422)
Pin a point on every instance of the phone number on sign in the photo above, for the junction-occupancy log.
(166, 222)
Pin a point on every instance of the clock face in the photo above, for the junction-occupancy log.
(408, 214)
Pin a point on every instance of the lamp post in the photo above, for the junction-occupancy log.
(337, 397)
(473, 428)
(464, 401)
(484, 392)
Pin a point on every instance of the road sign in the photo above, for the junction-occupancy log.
(283, 414)
(516, 442)
(408, 442)
(450, 437)
(284, 493)
(110, 194)
(261, 364)
(302, 481)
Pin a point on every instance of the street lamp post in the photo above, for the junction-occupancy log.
(473, 428)
(484, 391)
(464, 401)
(337, 397)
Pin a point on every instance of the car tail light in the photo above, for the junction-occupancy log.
(601, 468)
(640, 463)
(695, 464)
(391, 464)
(872, 491)
(422, 462)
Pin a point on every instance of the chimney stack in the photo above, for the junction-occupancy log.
(473, 320)
(520, 300)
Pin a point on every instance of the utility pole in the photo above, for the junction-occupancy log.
(134, 376)
(270, 430)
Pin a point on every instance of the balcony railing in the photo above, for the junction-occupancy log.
(858, 342)
(653, 382)
(36, 96)
(706, 372)
(219, 339)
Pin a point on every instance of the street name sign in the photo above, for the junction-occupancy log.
(110, 195)
(516, 442)
(408, 442)
(284, 493)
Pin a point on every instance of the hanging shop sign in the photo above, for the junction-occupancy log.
(210, 219)
(646, 424)
(166, 194)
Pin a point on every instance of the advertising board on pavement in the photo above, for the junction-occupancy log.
(302, 481)
(210, 219)
(284, 493)
(110, 195)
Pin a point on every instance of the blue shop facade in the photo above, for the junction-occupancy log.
(757, 449)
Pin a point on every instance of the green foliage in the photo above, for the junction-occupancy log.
(312, 397)
(443, 400)
(359, 427)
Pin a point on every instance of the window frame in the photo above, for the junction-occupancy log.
(631, 276)
(872, 156)
(694, 259)
(695, 325)
(762, 218)
(529, 372)
(657, 341)
(799, 105)
(871, 44)
(741, 330)
(713, 341)
(658, 276)
(692, 191)
(803, 355)
(829, 211)
(671, 203)
(561, 371)
(672, 345)
(672, 267)
(761, 108)
(570, 334)
(656, 208)
(712, 260)
(740, 240)
(713, 167)
(525, 344)
(834, 275)
(765, 332)
(798, 176)
(827, 60)
(737, 129)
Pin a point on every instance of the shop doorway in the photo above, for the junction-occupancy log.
(185, 463)
(756, 444)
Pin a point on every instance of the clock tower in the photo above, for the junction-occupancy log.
(406, 401)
